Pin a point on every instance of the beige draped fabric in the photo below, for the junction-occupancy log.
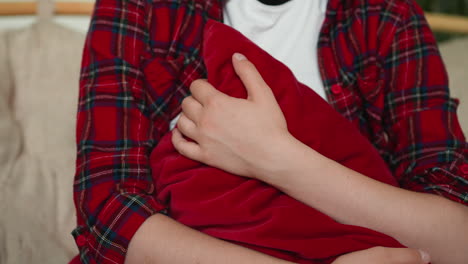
(39, 71)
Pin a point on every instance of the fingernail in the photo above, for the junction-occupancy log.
(239, 57)
(425, 256)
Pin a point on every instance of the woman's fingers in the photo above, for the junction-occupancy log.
(192, 109)
(187, 127)
(383, 255)
(204, 92)
(186, 148)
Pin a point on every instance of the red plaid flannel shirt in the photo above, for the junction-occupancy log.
(379, 63)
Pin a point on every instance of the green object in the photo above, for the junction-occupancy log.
(453, 7)
(456, 7)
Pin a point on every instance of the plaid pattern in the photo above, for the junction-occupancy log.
(381, 70)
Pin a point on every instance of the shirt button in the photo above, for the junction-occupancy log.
(464, 168)
(336, 89)
(81, 240)
(365, 85)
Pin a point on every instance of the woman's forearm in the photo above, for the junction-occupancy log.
(250, 138)
(417, 220)
(163, 240)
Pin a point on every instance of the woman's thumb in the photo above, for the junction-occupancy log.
(409, 256)
(426, 258)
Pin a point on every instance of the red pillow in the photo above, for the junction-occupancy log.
(250, 212)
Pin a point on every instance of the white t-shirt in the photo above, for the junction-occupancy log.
(289, 32)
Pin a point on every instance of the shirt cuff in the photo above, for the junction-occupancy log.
(107, 240)
(449, 183)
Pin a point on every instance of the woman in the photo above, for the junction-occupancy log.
(388, 102)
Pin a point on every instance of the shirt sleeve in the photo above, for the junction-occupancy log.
(113, 186)
(429, 150)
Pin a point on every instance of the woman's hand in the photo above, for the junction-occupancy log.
(240, 136)
(382, 255)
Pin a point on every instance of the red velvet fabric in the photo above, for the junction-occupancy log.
(252, 213)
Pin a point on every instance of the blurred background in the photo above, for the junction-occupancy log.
(40, 54)
(74, 21)
(451, 7)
